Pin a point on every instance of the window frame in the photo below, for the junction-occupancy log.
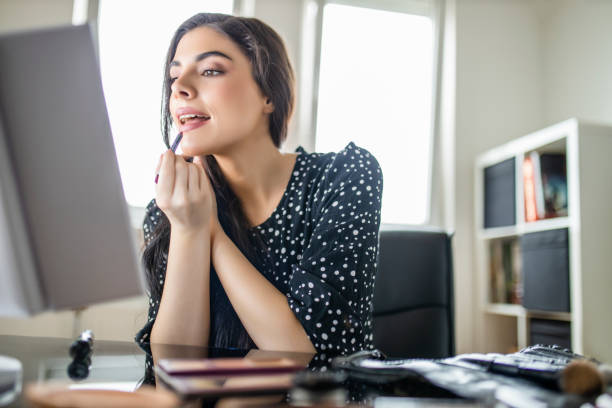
(312, 30)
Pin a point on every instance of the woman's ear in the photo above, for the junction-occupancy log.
(268, 106)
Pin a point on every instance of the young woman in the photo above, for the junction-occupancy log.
(246, 246)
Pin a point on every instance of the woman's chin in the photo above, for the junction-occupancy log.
(194, 150)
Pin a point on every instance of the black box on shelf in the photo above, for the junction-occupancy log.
(542, 331)
(499, 194)
(546, 270)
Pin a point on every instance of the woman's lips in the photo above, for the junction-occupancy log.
(192, 124)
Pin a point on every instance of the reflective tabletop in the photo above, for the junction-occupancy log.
(114, 366)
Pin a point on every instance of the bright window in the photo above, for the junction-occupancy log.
(375, 88)
(134, 37)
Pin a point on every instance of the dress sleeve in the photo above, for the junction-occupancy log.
(151, 219)
(332, 286)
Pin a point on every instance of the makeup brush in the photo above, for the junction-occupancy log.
(174, 146)
(583, 377)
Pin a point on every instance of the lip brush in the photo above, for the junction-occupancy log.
(174, 146)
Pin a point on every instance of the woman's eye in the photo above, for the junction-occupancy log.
(206, 73)
(211, 72)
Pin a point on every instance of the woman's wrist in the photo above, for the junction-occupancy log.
(190, 232)
(216, 233)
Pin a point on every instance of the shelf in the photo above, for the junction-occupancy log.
(524, 228)
(543, 314)
(554, 136)
(586, 244)
(499, 232)
(557, 146)
(545, 225)
(506, 309)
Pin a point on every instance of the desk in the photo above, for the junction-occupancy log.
(122, 366)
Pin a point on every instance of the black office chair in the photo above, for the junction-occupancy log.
(413, 294)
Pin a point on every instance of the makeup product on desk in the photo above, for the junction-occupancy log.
(215, 377)
(83, 346)
(81, 351)
(222, 385)
(174, 146)
(227, 366)
(546, 375)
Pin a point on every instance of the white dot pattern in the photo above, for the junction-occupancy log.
(321, 248)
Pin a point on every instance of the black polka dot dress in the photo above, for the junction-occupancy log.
(319, 249)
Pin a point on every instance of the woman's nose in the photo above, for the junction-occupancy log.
(182, 88)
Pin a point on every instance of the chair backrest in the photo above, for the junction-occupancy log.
(413, 294)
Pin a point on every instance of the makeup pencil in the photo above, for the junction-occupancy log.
(176, 142)
(174, 146)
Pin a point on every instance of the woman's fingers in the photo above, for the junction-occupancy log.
(181, 180)
(165, 183)
(184, 192)
(178, 174)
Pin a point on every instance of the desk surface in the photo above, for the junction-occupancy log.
(122, 366)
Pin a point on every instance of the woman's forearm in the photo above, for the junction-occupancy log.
(262, 309)
(184, 309)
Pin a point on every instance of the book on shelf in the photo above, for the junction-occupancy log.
(545, 186)
(554, 184)
(506, 285)
(531, 210)
(516, 293)
(495, 277)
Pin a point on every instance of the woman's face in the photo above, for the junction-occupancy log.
(211, 78)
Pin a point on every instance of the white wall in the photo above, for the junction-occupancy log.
(285, 17)
(577, 66)
(498, 98)
(27, 14)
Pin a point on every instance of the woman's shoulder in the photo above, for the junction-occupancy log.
(351, 162)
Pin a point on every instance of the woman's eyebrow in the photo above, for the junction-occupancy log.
(202, 56)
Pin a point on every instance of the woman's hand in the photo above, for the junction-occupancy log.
(184, 193)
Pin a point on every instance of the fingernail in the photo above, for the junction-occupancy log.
(156, 178)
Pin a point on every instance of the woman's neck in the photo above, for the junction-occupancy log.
(257, 173)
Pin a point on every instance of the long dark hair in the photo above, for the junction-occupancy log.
(273, 74)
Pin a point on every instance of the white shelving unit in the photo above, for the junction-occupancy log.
(588, 150)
